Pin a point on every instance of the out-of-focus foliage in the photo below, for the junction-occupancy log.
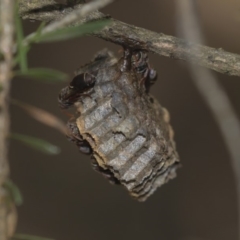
(14, 192)
(43, 74)
(36, 143)
(28, 237)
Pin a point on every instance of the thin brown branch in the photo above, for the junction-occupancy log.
(135, 37)
(212, 91)
(42, 116)
(7, 213)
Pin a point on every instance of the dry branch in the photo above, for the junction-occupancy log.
(135, 37)
(213, 93)
(7, 211)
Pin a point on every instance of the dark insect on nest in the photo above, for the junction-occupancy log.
(120, 124)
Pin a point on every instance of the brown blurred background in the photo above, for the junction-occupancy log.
(65, 199)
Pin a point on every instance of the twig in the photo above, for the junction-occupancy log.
(7, 212)
(42, 116)
(212, 92)
(135, 37)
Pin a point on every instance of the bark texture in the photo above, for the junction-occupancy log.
(7, 210)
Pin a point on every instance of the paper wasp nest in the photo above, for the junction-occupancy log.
(120, 124)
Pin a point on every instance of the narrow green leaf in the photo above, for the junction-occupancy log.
(43, 74)
(21, 49)
(14, 191)
(21, 56)
(72, 32)
(36, 143)
(38, 32)
(1, 57)
(28, 237)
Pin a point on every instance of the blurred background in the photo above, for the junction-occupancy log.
(65, 199)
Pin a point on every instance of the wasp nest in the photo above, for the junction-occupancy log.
(120, 124)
